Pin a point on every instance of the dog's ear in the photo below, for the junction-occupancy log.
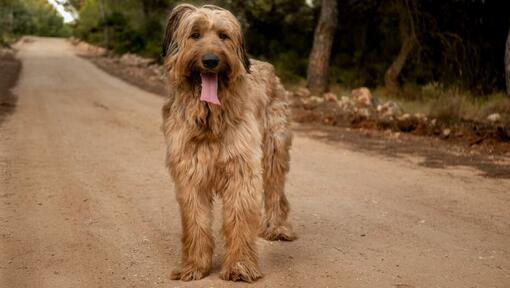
(243, 55)
(169, 44)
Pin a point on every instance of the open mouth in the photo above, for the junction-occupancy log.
(209, 92)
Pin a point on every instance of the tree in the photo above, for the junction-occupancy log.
(318, 63)
(405, 10)
(102, 10)
(36, 17)
(507, 63)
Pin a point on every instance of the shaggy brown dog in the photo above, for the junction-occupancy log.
(227, 131)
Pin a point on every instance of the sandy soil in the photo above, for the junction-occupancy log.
(85, 200)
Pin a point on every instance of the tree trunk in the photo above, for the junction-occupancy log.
(507, 63)
(318, 62)
(407, 46)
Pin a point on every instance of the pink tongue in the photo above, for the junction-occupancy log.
(210, 88)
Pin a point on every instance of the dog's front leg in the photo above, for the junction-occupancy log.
(241, 220)
(197, 242)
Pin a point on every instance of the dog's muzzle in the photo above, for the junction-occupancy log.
(210, 60)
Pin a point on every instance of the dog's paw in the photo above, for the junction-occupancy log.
(278, 233)
(188, 273)
(241, 271)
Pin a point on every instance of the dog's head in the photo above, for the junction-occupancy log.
(203, 46)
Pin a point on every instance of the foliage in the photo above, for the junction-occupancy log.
(29, 17)
(124, 26)
(280, 31)
(451, 104)
(458, 43)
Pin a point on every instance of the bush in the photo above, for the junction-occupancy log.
(448, 109)
(29, 17)
(290, 66)
(432, 91)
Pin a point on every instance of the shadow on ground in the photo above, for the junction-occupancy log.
(435, 152)
(10, 68)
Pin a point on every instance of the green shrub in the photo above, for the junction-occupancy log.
(290, 66)
(448, 109)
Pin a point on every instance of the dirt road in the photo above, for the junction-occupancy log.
(85, 200)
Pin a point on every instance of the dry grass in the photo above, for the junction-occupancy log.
(450, 105)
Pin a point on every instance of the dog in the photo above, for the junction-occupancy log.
(226, 127)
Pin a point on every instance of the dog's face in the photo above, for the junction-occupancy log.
(204, 42)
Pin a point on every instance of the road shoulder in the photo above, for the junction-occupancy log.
(10, 68)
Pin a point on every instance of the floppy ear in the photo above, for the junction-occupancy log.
(243, 55)
(169, 44)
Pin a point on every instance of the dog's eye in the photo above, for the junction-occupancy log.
(195, 35)
(222, 36)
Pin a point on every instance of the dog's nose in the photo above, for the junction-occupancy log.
(210, 60)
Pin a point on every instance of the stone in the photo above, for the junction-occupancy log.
(135, 60)
(407, 123)
(330, 96)
(346, 105)
(389, 109)
(364, 112)
(404, 117)
(7, 53)
(362, 97)
(494, 117)
(316, 99)
(420, 116)
(302, 92)
(312, 102)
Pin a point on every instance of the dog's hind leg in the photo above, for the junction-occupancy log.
(197, 241)
(276, 145)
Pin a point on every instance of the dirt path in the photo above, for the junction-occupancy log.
(85, 200)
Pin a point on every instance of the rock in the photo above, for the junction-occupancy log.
(135, 60)
(494, 117)
(364, 112)
(89, 49)
(346, 105)
(312, 102)
(7, 53)
(420, 116)
(302, 92)
(74, 41)
(330, 96)
(316, 99)
(407, 123)
(27, 39)
(404, 117)
(362, 97)
(389, 109)
(447, 132)
(345, 101)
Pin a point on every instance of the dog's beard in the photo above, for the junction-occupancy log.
(209, 84)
